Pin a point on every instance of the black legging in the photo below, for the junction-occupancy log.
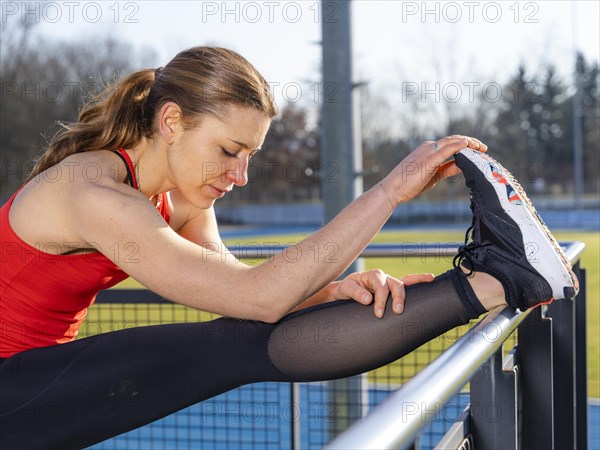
(81, 393)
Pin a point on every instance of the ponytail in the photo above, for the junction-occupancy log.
(115, 118)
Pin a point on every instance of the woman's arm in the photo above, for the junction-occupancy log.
(201, 228)
(210, 278)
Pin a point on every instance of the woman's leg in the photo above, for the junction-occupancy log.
(77, 394)
(341, 339)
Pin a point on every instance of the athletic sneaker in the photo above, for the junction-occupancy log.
(509, 240)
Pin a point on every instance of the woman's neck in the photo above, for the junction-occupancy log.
(151, 167)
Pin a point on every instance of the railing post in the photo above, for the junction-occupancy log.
(580, 363)
(295, 443)
(494, 400)
(563, 340)
(554, 363)
(537, 393)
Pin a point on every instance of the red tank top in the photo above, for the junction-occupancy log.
(44, 297)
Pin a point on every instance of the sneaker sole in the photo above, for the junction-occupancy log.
(541, 248)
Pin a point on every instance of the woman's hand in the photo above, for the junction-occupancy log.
(425, 166)
(375, 286)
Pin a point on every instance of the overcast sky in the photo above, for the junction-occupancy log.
(395, 42)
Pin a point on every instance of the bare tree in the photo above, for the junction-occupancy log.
(44, 82)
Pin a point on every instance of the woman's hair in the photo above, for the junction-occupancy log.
(201, 81)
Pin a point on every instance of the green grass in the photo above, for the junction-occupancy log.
(402, 370)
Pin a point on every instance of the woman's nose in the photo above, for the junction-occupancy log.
(238, 174)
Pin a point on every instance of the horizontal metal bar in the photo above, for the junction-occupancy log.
(397, 421)
(407, 249)
(130, 296)
(118, 295)
(573, 250)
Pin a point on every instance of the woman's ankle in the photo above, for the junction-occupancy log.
(488, 289)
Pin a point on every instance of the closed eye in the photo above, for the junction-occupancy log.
(228, 153)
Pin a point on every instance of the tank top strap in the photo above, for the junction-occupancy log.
(129, 166)
(162, 203)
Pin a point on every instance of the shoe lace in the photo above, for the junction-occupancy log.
(465, 250)
(463, 253)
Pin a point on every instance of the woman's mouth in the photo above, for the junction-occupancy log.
(216, 192)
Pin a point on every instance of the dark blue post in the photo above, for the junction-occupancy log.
(494, 400)
(537, 391)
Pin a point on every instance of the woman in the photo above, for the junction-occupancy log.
(129, 190)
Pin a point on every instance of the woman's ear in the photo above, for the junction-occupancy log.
(169, 122)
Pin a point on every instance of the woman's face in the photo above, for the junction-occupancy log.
(207, 161)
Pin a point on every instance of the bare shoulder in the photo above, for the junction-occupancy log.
(46, 207)
(107, 208)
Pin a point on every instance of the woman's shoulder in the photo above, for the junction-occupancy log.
(88, 169)
(80, 171)
(46, 208)
(83, 177)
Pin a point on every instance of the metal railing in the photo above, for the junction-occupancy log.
(405, 250)
(397, 421)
